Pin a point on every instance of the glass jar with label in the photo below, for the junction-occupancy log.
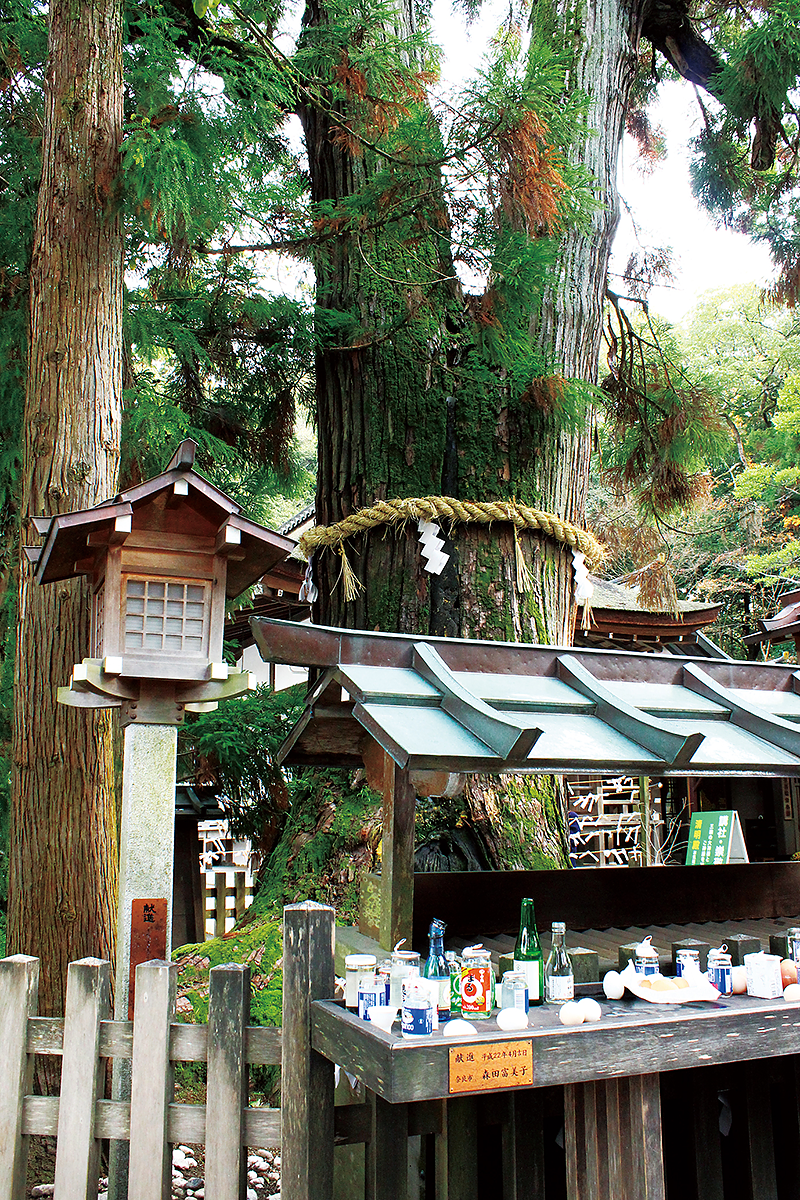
(404, 964)
(356, 968)
(514, 991)
(793, 947)
(417, 1012)
(559, 980)
(477, 983)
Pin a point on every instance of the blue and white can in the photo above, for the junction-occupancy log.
(370, 992)
(416, 1014)
(720, 972)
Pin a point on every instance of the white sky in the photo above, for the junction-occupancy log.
(662, 203)
(668, 215)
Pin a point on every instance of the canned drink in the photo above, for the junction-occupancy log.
(514, 990)
(477, 983)
(370, 992)
(416, 1014)
(793, 945)
(720, 971)
(645, 959)
(687, 962)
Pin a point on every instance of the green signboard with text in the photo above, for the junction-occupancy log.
(715, 838)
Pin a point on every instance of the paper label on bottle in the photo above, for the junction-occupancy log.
(531, 973)
(559, 988)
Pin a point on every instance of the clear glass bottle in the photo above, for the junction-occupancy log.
(559, 981)
(528, 956)
(436, 967)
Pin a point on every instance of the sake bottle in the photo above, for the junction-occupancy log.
(528, 956)
(559, 980)
(436, 967)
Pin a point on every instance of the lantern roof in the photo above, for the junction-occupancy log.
(72, 539)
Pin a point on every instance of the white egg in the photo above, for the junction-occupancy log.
(739, 980)
(460, 1029)
(613, 986)
(512, 1018)
(571, 1014)
(792, 992)
(590, 1008)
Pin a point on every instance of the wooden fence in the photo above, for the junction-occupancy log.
(85, 1038)
(215, 899)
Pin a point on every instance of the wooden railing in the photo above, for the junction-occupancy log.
(149, 1121)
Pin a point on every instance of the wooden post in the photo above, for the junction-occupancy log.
(240, 901)
(613, 1139)
(306, 1077)
(397, 862)
(150, 1162)
(387, 1151)
(220, 889)
(226, 1095)
(82, 1075)
(19, 989)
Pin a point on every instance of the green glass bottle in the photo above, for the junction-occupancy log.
(528, 955)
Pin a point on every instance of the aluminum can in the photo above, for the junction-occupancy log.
(514, 991)
(645, 959)
(477, 983)
(720, 972)
(687, 962)
(793, 944)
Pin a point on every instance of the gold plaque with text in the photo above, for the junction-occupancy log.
(487, 1066)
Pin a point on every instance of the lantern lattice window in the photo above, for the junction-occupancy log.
(98, 620)
(168, 617)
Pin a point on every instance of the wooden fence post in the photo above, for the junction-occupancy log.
(150, 1161)
(221, 890)
(19, 991)
(77, 1153)
(306, 1077)
(226, 1094)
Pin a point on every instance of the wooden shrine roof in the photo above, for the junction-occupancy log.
(459, 705)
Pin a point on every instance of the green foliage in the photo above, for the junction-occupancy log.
(235, 745)
(330, 837)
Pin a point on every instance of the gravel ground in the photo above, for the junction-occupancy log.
(263, 1176)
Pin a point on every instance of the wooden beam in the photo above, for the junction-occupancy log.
(397, 857)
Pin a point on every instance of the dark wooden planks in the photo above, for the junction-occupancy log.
(611, 897)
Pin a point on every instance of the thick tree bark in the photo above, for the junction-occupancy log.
(396, 418)
(63, 850)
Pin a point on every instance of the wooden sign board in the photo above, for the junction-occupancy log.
(148, 938)
(488, 1066)
(715, 838)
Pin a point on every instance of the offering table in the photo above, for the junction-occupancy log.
(609, 1077)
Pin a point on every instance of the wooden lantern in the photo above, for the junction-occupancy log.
(162, 557)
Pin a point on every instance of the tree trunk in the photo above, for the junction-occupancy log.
(63, 848)
(396, 419)
(399, 416)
